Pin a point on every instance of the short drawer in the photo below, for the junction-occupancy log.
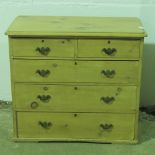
(79, 71)
(104, 127)
(75, 98)
(43, 47)
(109, 48)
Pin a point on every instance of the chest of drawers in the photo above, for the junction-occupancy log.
(76, 78)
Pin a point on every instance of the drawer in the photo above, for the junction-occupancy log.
(43, 47)
(75, 98)
(79, 71)
(109, 48)
(75, 126)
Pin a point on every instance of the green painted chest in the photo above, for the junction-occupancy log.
(76, 78)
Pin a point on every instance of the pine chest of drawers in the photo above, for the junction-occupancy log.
(76, 78)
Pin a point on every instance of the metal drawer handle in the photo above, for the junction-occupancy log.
(109, 51)
(43, 50)
(34, 105)
(108, 73)
(106, 126)
(45, 125)
(107, 99)
(44, 98)
(43, 73)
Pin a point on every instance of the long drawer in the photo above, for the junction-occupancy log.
(76, 71)
(109, 48)
(106, 127)
(75, 98)
(43, 47)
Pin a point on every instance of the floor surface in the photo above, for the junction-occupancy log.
(146, 144)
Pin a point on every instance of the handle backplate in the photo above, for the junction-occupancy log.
(43, 50)
(43, 73)
(109, 51)
(44, 98)
(45, 125)
(107, 99)
(108, 73)
(106, 126)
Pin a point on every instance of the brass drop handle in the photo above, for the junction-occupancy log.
(108, 73)
(43, 50)
(45, 125)
(106, 126)
(44, 98)
(43, 73)
(109, 51)
(34, 105)
(107, 99)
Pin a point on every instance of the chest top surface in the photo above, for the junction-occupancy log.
(76, 26)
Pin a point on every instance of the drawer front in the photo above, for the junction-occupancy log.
(71, 71)
(106, 48)
(43, 47)
(75, 98)
(76, 125)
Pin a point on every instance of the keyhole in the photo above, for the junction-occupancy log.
(109, 41)
(75, 115)
(75, 88)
